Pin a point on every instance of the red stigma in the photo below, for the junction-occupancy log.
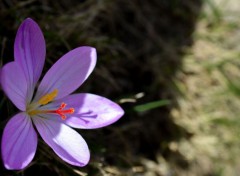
(62, 112)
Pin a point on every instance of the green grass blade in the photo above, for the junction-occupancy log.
(151, 105)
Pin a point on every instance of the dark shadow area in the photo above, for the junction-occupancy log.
(140, 47)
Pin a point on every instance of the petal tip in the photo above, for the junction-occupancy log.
(91, 50)
(84, 163)
(8, 167)
(30, 23)
(29, 20)
(119, 113)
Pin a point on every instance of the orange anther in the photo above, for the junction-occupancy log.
(62, 112)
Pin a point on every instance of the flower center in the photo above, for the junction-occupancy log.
(60, 111)
(45, 100)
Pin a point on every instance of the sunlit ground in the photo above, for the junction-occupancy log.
(174, 66)
(210, 84)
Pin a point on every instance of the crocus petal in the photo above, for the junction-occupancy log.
(29, 51)
(65, 142)
(14, 84)
(68, 73)
(19, 142)
(91, 111)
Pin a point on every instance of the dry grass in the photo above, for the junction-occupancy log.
(210, 83)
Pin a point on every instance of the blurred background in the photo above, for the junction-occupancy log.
(173, 65)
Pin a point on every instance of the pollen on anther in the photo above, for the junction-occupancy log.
(63, 117)
(71, 110)
(63, 105)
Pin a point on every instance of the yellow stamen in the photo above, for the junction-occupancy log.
(34, 112)
(48, 97)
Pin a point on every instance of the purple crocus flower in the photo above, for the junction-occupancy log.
(50, 108)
